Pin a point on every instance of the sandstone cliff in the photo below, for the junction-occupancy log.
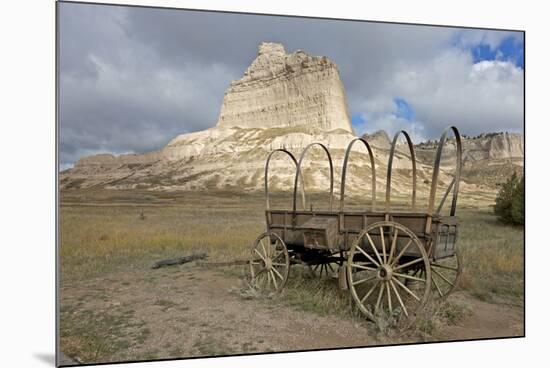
(489, 146)
(288, 101)
(286, 90)
(379, 139)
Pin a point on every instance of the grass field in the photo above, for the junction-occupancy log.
(101, 232)
(105, 233)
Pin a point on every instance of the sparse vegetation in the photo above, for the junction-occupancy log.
(100, 238)
(510, 201)
(102, 234)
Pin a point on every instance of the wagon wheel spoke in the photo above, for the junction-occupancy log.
(277, 273)
(262, 256)
(368, 256)
(321, 269)
(276, 256)
(389, 296)
(256, 267)
(408, 264)
(445, 267)
(446, 275)
(326, 267)
(393, 246)
(260, 280)
(402, 252)
(268, 279)
(273, 277)
(379, 299)
(409, 277)
(406, 289)
(369, 292)
(383, 242)
(355, 265)
(266, 254)
(443, 277)
(363, 263)
(360, 281)
(437, 287)
(374, 248)
(399, 298)
(259, 273)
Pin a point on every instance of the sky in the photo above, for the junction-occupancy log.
(131, 79)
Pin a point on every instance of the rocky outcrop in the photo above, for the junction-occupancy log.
(286, 90)
(282, 101)
(505, 145)
(488, 146)
(378, 139)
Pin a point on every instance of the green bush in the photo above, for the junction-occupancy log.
(510, 201)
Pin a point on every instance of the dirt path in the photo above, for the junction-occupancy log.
(193, 311)
(485, 320)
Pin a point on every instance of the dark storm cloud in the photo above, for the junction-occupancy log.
(133, 78)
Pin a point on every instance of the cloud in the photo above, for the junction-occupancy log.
(133, 78)
(493, 39)
(451, 89)
(117, 95)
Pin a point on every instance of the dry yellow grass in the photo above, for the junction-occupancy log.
(95, 238)
(103, 231)
(493, 257)
(105, 234)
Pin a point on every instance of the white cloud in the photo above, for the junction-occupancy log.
(450, 89)
(391, 123)
(469, 38)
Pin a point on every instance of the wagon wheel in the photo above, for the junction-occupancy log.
(381, 271)
(446, 274)
(270, 263)
(327, 268)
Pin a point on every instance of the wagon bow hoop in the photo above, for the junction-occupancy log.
(456, 180)
(390, 165)
(266, 176)
(344, 170)
(299, 174)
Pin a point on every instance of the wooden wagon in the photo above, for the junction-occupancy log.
(389, 260)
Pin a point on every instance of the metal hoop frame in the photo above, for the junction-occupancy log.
(344, 170)
(390, 166)
(266, 178)
(456, 180)
(454, 185)
(299, 173)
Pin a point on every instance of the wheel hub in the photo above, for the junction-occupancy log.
(268, 263)
(384, 272)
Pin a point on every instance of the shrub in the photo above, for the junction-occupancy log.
(509, 204)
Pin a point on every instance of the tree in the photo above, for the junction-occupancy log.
(510, 201)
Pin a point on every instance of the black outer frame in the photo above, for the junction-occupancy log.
(57, 203)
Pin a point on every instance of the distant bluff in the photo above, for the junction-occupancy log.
(286, 90)
(288, 101)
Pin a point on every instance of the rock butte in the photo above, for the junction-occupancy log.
(283, 100)
(286, 90)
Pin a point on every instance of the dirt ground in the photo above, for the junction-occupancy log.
(192, 310)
